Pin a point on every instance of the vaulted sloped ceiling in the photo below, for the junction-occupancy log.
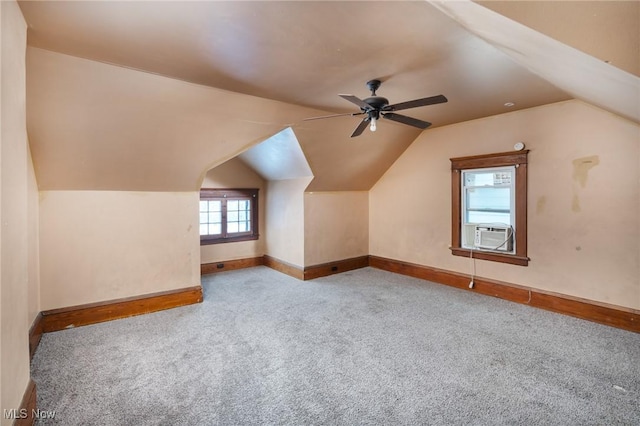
(97, 126)
(582, 76)
(278, 158)
(149, 95)
(606, 30)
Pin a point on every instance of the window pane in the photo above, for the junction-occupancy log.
(232, 205)
(232, 216)
(488, 217)
(203, 229)
(215, 206)
(215, 229)
(232, 227)
(215, 217)
(203, 218)
(487, 178)
(242, 215)
(203, 206)
(478, 178)
(497, 199)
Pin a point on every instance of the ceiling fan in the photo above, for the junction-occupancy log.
(376, 106)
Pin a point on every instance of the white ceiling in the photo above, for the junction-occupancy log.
(299, 54)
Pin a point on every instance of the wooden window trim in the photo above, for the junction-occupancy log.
(501, 159)
(221, 193)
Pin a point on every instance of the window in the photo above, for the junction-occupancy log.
(228, 215)
(489, 207)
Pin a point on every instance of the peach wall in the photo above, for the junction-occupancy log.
(33, 236)
(235, 174)
(15, 239)
(584, 217)
(105, 245)
(336, 226)
(284, 218)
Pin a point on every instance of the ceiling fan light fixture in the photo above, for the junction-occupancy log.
(373, 124)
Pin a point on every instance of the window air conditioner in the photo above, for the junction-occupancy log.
(493, 238)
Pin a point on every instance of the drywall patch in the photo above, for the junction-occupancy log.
(581, 167)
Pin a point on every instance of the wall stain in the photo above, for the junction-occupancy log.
(542, 202)
(575, 203)
(581, 167)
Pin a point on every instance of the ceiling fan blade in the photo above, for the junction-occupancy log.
(407, 120)
(439, 99)
(363, 125)
(356, 100)
(333, 115)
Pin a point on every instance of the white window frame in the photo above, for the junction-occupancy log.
(464, 211)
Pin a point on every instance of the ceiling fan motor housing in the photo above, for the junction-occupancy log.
(377, 102)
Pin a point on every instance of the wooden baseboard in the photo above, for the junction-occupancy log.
(229, 265)
(316, 271)
(284, 267)
(337, 267)
(24, 414)
(308, 273)
(603, 313)
(35, 334)
(75, 316)
(615, 316)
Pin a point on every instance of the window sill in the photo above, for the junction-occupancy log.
(206, 242)
(512, 259)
